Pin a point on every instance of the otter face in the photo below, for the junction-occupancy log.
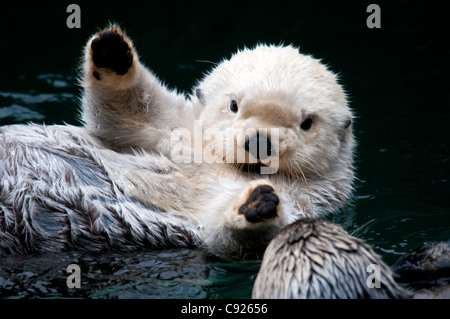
(275, 105)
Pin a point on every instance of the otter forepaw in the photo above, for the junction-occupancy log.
(261, 205)
(111, 50)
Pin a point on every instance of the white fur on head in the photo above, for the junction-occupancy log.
(278, 87)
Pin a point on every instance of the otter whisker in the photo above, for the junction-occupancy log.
(343, 199)
(311, 165)
(295, 167)
(206, 61)
(322, 175)
(240, 169)
(361, 227)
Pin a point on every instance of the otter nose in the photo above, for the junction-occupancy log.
(259, 146)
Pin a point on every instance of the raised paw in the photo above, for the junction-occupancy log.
(110, 50)
(260, 205)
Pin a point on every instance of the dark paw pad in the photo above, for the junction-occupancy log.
(110, 50)
(260, 205)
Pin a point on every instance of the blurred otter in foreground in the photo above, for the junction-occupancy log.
(316, 259)
(426, 270)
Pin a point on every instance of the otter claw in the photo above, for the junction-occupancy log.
(261, 204)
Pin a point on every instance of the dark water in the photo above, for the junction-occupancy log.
(171, 273)
(396, 77)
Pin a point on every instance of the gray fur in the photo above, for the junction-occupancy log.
(55, 195)
(315, 259)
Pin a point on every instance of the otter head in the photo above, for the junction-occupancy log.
(275, 105)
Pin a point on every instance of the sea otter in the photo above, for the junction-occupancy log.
(315, 259)
(122, 181)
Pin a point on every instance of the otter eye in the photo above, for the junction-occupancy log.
(347, 123)
(306, 125)
(233, 106)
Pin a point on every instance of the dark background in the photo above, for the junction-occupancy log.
(396, 77)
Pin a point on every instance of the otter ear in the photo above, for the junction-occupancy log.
(200, 96)
(346, 124)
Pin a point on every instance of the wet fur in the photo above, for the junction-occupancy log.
(61, 191)
(315, 259)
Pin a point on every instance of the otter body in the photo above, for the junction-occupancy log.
(315, 259)
(425, 270)
(116, 182)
